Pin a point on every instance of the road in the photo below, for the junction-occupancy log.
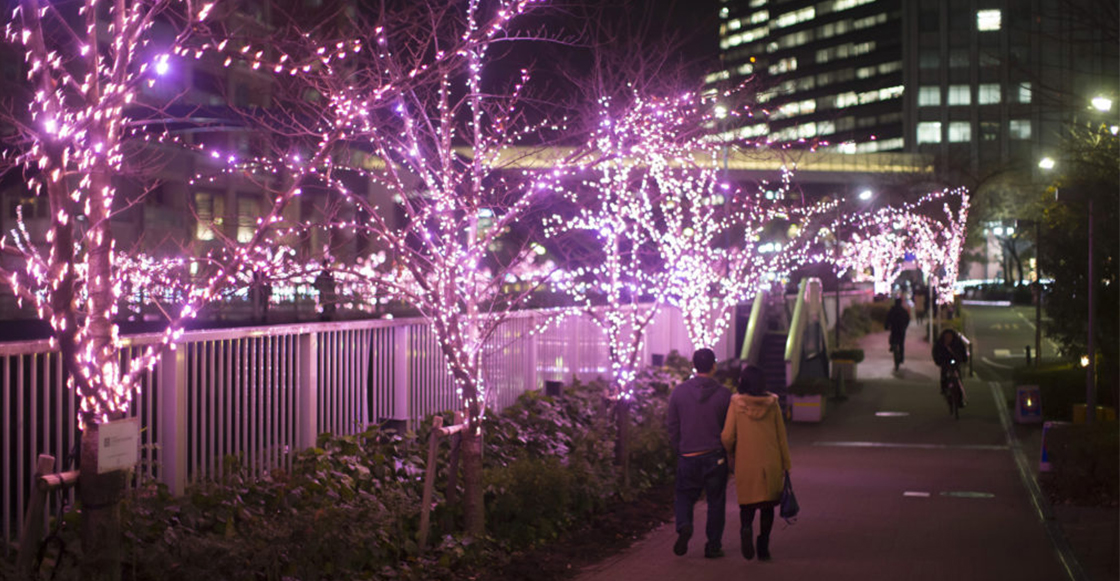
(1000, 336)
(891, 487)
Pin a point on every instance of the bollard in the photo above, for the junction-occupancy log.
(1028, 348)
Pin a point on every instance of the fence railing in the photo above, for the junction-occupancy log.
(259, 394)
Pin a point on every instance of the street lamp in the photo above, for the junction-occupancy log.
(1046, 163)
(1102, 104)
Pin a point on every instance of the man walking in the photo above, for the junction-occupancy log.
(697, 410)
(897, 321)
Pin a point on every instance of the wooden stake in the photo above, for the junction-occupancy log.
(33, 521)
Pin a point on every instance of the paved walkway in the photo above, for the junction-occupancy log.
(911, 495)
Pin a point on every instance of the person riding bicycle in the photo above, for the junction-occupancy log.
(949, 353)
(897, 321)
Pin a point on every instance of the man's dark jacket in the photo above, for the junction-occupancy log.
(697, 410)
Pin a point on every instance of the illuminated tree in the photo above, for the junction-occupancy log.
(86, 68)
(417, 154)
(932, 229)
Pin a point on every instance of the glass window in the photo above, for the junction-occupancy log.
(928, 20)
(1024, 93)
(1020, 129)
(929, 132)
(989, 130)
(929, 59)
(958, 58)
(960, 131)
(988, 93)
(929, 96)
(988, 20)
(960, 95)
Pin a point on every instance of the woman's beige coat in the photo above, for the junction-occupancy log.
(756, 435)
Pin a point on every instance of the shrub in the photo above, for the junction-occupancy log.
(855, 355)
(1085, 464)
(349, 507)
(1061, 385)
(806, 386)
(861, 319)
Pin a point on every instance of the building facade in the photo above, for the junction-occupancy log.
(981, 84)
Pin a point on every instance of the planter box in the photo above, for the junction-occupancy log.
(806, 408)
(844, 367)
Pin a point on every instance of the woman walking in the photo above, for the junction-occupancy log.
(755, 435)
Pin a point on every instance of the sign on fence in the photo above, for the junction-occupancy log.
(118, 445)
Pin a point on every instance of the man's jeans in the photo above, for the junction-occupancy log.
(707, 473)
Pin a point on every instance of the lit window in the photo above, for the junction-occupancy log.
(1025, 92)
(757, 3)
(1020, 129)
(891, 67)
(960, 131)
(846, 100)
(745, 69)
(783, 66)
(988, 19)
(988, 94)
(716, 77)
(989, 130)
(960, 95)
(839, 5)
(929, 96)
(795, 17)
(248, 211)
(760, 16)
(929, 132)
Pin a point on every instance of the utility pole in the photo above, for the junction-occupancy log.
(1038, 289)
(1091, 370)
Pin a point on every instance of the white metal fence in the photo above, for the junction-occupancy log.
(260, 393)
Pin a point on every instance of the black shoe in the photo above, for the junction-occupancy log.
(712, 553)
(745, 544)
(763, 548)
(681, 546)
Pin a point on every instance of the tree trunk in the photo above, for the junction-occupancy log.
(474, 509)
(622, 446)
(100, 496)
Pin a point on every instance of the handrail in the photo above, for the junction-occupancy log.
(796, 334)
(803, 311)
(752, 339)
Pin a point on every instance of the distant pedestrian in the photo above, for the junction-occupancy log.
(697, 410)
(897, 321)
(260, 293)
(328, 298)
(755, 433)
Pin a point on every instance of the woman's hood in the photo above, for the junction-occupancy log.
(754, 406)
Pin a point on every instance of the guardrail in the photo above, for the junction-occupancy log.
(262, 393)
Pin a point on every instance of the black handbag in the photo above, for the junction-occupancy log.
(788, 507)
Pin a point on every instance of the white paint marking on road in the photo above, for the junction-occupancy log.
(968, 494)
(1002, 352)
(1049, 341)
(912, 446)
(916, 494)
(994, 364)
(891, 414)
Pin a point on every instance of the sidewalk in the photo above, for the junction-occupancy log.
(910, 495)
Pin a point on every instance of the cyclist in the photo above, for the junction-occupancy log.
(949, 353)
(897, 321)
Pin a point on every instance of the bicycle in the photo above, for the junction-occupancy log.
(954, 390)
